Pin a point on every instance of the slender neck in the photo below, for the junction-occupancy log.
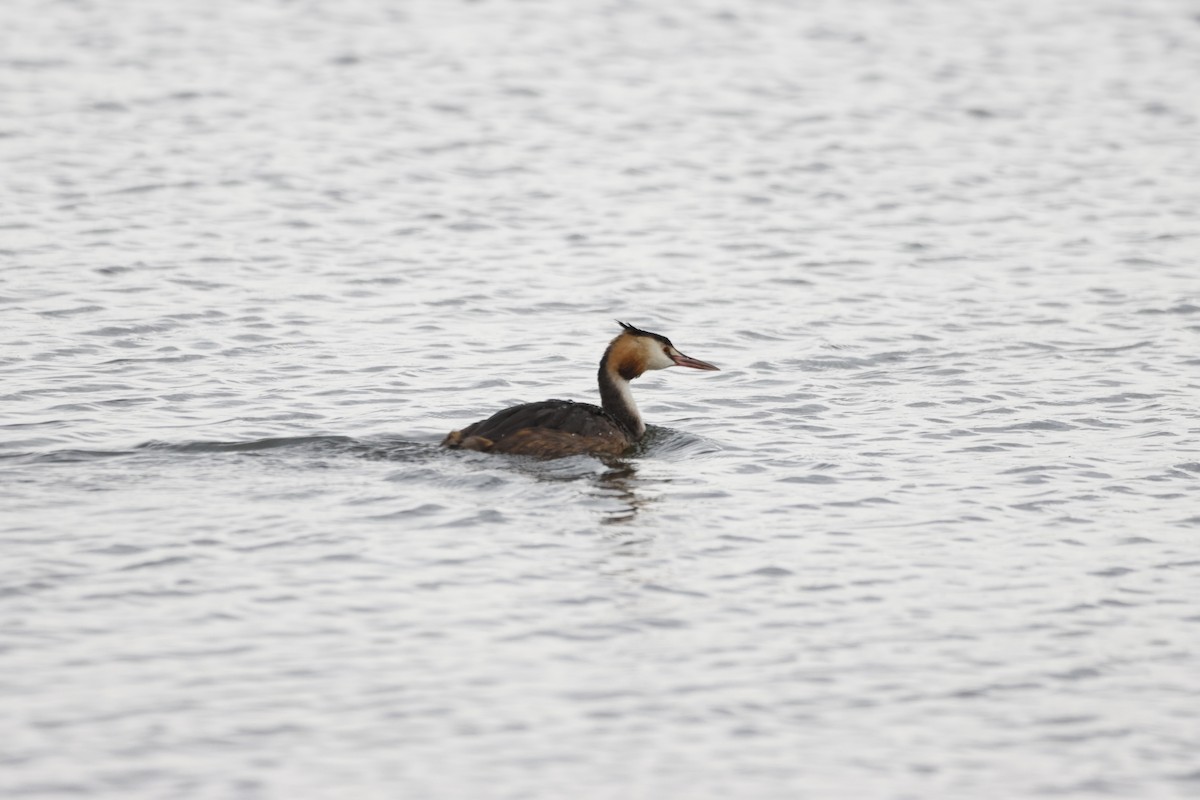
(617, 400)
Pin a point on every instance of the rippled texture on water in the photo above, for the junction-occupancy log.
(932, 531)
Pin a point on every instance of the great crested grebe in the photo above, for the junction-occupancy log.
(557, 428)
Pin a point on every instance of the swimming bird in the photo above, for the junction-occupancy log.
(558, 428)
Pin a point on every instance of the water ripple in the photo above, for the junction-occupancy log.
(934, 517)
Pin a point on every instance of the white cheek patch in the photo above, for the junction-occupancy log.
(658, 359)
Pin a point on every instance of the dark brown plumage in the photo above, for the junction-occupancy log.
(549, 429)
(558, 428)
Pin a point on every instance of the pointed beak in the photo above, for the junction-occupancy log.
(684, 361)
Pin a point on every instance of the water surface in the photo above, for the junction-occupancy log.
(931, 531)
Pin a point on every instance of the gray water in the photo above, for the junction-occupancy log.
(930, 533)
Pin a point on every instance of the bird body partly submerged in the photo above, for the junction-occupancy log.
(549, 429)
(558, 428)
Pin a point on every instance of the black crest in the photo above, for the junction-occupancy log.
(635, 331)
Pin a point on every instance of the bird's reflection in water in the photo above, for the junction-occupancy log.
(619, 482)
